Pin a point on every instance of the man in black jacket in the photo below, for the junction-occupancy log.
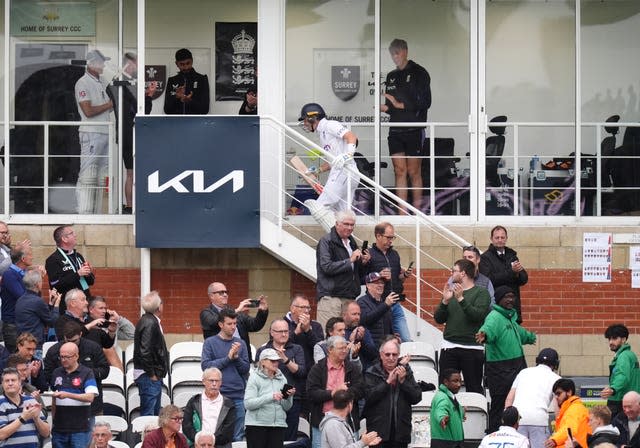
(339, 264)
(375, 308)
(219, 299)
(150, 354)
(501, 264)
(391, 391)
(66, 267)
(347, 376)
(627, 420)
(194, 417)
(188, 91)
(90, 355)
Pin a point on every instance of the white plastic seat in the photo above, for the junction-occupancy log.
(182, 398)
(128, 357)
(115, 380)
(46, 346)
(190, 351)
(476, 411)
(118, 424)
(186, 379)
(115, 398)
(241, 444)
(421, 353)
(425, 402)
(424, 373)
(118, 444)
(139, 423)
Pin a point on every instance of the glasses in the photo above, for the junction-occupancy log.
(390, 355)
(389, 237)
(304, 307)
(177, 419)
(4, 233)
(101, 434)
(281, 331)
(222, 293)
(212, 380)
(66, 356)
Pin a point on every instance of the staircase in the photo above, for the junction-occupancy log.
(292, 238)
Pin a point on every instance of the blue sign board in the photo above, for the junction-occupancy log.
(197, 182)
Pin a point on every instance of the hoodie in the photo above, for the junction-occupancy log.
(336, 433)
(604, 434)
(504, 336)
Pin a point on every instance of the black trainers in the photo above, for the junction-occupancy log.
(126, 210)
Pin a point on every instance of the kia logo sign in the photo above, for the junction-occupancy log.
(236, 177)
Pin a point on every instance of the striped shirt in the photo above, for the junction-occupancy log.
(27, 435)
(73, 415)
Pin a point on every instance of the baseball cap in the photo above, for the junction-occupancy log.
(96, 56)
(372, 277)
(269, 353)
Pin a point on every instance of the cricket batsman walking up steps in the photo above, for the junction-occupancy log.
(340, 142)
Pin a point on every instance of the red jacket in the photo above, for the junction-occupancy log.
(156, 439)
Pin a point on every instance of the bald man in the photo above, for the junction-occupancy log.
(628, 421)
(219, 299)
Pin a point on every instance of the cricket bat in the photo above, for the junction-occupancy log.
(302, 170)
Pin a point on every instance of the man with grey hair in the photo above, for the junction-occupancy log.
(628, 421)
(32, 313)
(77, 309)
(326, 377)
(94, 105)
(101, 435)
(205, 439)
(150, 354)
(339, 263)
(210, 413)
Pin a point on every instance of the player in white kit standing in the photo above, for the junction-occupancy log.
(340, 142)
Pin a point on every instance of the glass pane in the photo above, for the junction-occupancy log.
(330, 61)
(2, 99)
(611, 154)
(530, 79)
(437, 36)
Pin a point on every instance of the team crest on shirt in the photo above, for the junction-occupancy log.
(83, 93)
(76, 382)
(58, 381)
(345, 81)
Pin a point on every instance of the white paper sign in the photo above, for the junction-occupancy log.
(596, 257)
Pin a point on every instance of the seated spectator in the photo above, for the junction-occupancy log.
(354, 332)
(27, 349)
(205, 439)
(628, 422)
(376, 309)
(210, 412)
(602, 429)
(33, 315)
(101, 435)
(335, 327)
(267, 402)
(168, 434)
(336, 428)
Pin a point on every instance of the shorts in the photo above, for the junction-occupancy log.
(410, 143)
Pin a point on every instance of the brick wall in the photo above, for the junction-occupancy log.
(554, 301)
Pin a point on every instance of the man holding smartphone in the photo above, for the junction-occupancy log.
(385, 260)
(219, 299)
(375, 308)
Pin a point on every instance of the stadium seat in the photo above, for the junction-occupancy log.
(422, 353)
(118, 444)
(182, 398)
(186, 379)
(185, 353)
(424, 373)
(115, 403)
(46, 346)
(139, 423)
(115, 380)
(118, 424)
(476, 411)
(128, 358)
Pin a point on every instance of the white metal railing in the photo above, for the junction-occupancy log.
(411, 241)
(46, 125)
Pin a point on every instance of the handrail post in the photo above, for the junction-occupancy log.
(45, 183)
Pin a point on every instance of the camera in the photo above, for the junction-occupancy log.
(106, 322)
(401, 298)
(254, 303)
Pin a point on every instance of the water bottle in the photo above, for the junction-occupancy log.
(533, 164)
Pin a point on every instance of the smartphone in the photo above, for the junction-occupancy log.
(254, 303)
(365, 245)
(401, 298)
(569, 432)
(410, 266)
(286, 388)
(106, 322)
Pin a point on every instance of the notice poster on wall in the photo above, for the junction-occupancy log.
(634, 265)
(236, 59)
(596, 257)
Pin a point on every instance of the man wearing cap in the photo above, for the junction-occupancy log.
(462, 309)
(531, 394)
(375, 308)
(507, 434)
(623, 369)
(188, 91)
(129, 110)
(94, 105)
(503, 338)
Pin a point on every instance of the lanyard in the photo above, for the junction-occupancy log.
(83, 282)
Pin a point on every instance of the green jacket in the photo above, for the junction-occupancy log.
(443, 405)
(504, 337)
(624, 374)
(464, 318)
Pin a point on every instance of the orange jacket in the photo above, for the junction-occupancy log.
(573, 414)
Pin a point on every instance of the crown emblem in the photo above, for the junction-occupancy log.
(243, 43)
